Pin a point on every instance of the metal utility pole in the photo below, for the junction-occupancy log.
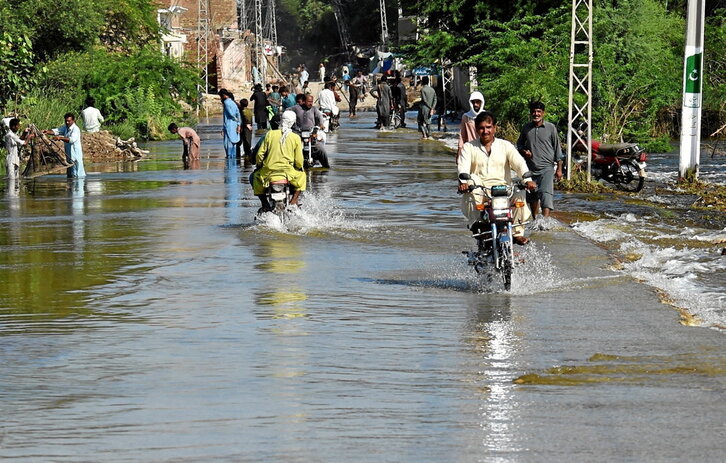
(259, 56)
(203, 46)
(580, 95)
(447, 87)
(384, 23)
(342, 27)
(242, 5)
(270, 27)
(692, 84)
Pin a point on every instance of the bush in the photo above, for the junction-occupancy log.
(138, 94)
(45, 108)
(657, 145)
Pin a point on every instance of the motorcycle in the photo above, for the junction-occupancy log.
(332, 121)
(278, 197)
(622, 164)
(310, 155)
(493, 232)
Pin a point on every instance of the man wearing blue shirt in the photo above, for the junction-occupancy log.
(231, 127)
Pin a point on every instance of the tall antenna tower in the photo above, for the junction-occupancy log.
(242, 8)
(384, 23)
(270, 26)
(259, 56)
(203, 44)
(580, 95)
(342, 26)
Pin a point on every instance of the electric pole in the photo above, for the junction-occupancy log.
(692, 84)
(203, 47)
(384, 23)
(580, 94)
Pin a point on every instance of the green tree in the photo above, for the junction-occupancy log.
(17, 66)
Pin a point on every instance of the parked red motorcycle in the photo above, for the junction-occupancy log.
(622, 164)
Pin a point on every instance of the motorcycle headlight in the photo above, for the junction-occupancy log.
(500, 202)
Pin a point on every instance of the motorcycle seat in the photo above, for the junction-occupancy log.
(280, 181)
(615, 149)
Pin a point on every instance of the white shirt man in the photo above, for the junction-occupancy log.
(92, 118)
(13, 142)
(489, 161)
(326, 100)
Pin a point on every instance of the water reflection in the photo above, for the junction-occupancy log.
(13, 195)
(78, 194)
(492, 335)
(191, 164)
(232, 192)
(282, 296)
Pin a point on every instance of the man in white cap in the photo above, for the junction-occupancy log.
(467, 132)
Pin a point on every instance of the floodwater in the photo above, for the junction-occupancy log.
(146, 316)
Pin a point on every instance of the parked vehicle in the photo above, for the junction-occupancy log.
(622, 164)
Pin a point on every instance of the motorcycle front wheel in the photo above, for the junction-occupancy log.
(505, 268)
(629, 178)
(395, 120)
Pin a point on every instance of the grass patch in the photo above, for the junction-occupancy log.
(579, 184)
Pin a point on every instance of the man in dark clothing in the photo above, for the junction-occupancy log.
(400, 101)
(259, 98)
(382, 94)
(246, 128)
(355, 89)
(539, 144)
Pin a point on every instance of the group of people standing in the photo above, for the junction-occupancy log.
(69, 133)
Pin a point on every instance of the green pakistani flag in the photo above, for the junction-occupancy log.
(693, 73)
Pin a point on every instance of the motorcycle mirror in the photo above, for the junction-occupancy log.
(464, 176)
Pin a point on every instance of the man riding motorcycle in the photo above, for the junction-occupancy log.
(326, 100)
(280, 157)
(488, 160)
(308, 117)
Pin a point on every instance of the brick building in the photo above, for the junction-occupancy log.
(229, 60)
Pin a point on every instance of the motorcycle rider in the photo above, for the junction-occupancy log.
(326, 101)
(280, 157)
(489, 160)
(468, 130)
(540, 145)
(307, 117)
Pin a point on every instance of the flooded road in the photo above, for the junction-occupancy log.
(145, 316)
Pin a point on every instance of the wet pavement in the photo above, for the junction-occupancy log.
(146, 316)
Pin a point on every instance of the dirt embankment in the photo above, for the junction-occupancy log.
(104, 146)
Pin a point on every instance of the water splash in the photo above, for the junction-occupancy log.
(533, 272)
(542, 223)
(679, 261)
(679, 274)
(319, 212)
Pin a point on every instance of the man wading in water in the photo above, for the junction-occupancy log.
(540, 145)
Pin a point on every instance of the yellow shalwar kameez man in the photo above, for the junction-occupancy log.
(489, 169)
(280, 156)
